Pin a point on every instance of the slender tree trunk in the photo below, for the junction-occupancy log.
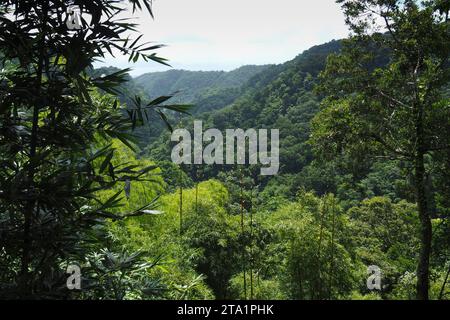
(181, 203)
(442, 292)
(423, 273)
(196, 190)
(181, 210)
(322, 213)
(330, 281)
(251, 250)
(425, 233)
(242, 230)
(196, 198)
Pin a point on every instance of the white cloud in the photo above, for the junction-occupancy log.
(223, 35)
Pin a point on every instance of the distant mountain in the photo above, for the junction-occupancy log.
(206, 89)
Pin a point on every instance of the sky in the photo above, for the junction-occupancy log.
(227, 34)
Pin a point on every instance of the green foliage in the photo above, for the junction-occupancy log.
(118, 276)
(194, 86)
(344, 164)
(394, 110)
(310, 238)
(264, 289)
(76, 188)
(205, 90)
(54, 125)
(212, 234)
(159, 237)
(276, 97)
(385, 234)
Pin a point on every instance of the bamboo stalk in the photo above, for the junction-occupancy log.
(322, 213)
(251, 246)
(441, 293)
(181, 202)
(330, 280)
(242, 230)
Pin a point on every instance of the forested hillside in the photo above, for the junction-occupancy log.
(93, 207)
(204, 90)
(208, 90)
(280, 97)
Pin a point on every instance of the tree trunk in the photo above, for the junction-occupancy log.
(425, 234)
(330, 281)
(423, 273)
(242, 230)
(442, 292)
(181, 207)
(322, 212)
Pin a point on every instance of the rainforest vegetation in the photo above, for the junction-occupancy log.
(86, 176)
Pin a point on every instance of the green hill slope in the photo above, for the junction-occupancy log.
(279, 97)
(198, 87)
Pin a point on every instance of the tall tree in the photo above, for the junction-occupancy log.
(393, 107)
(50, 122)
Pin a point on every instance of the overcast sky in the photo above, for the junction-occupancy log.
(226, 34)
